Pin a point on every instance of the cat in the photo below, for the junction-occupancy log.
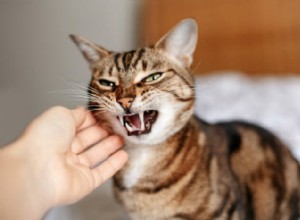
(181, 167)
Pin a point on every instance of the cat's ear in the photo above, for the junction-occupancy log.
(181, 41)
(91, 51)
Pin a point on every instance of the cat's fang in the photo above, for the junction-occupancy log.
(141, 114)
(138, 123)
(128, 127)
(121, 119)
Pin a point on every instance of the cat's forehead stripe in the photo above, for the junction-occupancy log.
(127, 59)
(124, 61)
(110, 70)
(140, 54)
(144, 65)
(116, 60)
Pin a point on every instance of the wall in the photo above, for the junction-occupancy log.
(256, 37)
(37, 57)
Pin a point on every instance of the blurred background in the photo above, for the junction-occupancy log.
(257, 37)
(37, 57)
(239, 41)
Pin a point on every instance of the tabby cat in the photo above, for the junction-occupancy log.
(182, 167)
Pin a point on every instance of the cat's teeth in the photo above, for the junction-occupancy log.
(129, 128)
(141, 114)
(121, 119)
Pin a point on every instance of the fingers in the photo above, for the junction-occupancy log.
(89, 121)
(100, 151)
(109, 167)
(87, 137)
(79, 116)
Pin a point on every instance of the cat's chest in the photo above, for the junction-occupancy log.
(139, 162)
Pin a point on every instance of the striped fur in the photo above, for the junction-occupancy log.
(186, 168)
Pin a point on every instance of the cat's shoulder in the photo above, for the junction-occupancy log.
(235, 127)
(237, 133)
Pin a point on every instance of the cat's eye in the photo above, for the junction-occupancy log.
(107, 83)
(152, 77)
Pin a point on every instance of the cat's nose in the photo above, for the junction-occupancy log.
(125, 102)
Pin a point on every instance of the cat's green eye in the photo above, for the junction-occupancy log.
(107, 83)
(152, 77)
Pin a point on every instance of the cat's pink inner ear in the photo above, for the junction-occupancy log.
(180, 42)
(91, 51)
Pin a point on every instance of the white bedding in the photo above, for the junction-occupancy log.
(272, 102)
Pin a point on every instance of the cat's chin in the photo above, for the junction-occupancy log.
(143, 139)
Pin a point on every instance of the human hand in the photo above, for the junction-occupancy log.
(61, 153)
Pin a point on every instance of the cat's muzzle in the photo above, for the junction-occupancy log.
(138, 123)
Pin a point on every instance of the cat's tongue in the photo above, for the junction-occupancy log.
(139, 123)
(134, 120)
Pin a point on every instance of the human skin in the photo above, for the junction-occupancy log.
(56, 162)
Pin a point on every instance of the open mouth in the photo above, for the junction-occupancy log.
(138, 123)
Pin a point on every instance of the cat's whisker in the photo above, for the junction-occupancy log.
(72, 95)
(207, 84)
(84, 87)
(83, 90)
(197, 66)
(77, 94)
(83, 98)
(70, 91)
(103, 106)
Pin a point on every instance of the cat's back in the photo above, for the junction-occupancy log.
(264, 172)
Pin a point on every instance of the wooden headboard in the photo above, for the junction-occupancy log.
(257, 36)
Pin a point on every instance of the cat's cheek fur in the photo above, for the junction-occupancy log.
(167, 123)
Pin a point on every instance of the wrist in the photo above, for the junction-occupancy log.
(19, 184)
